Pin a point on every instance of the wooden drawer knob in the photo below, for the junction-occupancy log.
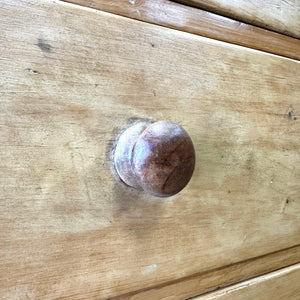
(156, 157)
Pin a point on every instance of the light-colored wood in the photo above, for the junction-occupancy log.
(70, 79)
(201, 283)
(278, 285)
(278, 15)
(193, 20)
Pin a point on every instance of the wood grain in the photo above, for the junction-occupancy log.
(71, 79)
(197, 284)
(281, 284)
(280, 16)
(193, 20)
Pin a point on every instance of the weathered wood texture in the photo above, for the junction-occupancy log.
(193, 20)
(70, 79)
(278, 15)
(201, 283)
(278, 285)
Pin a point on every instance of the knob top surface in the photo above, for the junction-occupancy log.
(157, 157)
(163, 159)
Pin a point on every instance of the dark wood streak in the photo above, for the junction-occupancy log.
(45, 47)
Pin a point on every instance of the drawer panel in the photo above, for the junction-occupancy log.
(281, 284)
(204, 282)
(276, 15)
(197, 21)
(71, 80)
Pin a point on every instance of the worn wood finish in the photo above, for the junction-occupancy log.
(281, 284)
(193, 20)
(280, 16)
(197, 284)
(71, 79)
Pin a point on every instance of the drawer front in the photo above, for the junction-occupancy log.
(71, 80)
(281, 284)
(191, 19)
(276, 15)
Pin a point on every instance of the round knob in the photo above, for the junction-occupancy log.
(157, 157)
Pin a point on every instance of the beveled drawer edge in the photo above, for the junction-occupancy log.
(196, 21)
(281, 283)
(204, 282)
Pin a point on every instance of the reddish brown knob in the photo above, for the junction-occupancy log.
(157, 157)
